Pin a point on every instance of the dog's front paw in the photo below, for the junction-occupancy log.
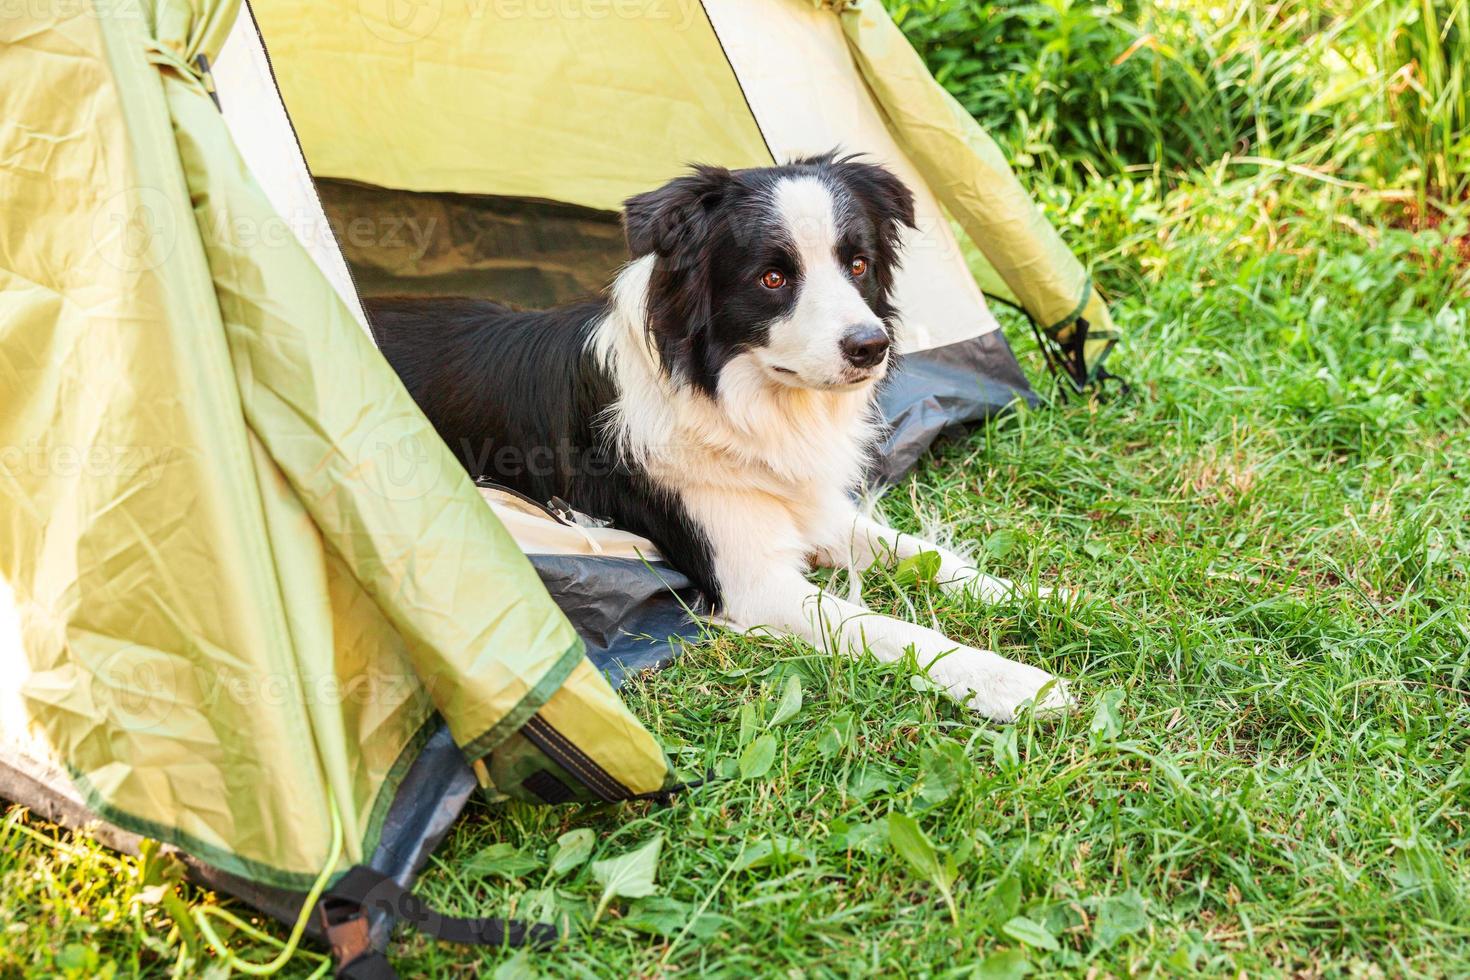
(999, 688)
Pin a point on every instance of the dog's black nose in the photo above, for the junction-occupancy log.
(865, 346)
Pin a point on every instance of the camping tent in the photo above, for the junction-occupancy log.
(249, 604)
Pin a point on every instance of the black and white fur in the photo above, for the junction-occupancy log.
(719, 401)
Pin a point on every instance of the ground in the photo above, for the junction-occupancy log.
(1269, 773)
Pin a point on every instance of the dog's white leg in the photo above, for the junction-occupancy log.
(859, 540)
(984, 681)
(760, 563)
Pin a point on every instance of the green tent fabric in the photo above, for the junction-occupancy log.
(264, 581)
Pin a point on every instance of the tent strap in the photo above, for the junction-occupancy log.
(347, 905)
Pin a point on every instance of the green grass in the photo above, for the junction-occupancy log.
(1270, 770)
(1376, 91)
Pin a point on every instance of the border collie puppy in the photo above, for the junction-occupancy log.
(719, 401)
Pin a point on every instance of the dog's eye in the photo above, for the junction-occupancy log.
(859, 267)
(773, 279)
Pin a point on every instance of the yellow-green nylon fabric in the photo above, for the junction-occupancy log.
(157, 662)
(583, 103)
(247, 571)
(1029, 263)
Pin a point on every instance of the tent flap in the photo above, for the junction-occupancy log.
(1028, 261)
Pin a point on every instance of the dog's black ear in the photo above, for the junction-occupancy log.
(670, 219)
(678, 224)
(887, 198)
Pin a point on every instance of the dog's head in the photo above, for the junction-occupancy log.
(791, 267)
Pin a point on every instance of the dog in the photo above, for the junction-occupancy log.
(718, 400)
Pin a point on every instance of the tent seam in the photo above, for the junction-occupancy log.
(531, 702)
(1077, 311)
(388, 790)
(253, 870)
(250, 869)
(738, 83)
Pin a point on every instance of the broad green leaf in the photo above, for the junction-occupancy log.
(1001, 543)
(911, 843)
(518, 967)
(869, 781)
(628, 876)
(1009, 964)
(75, 956)
(837, 735)
(1031, 933)
(1119, 916)
(1004, 900)
(659, 916)
(907, 838)
(771, 851)
(867, 837)
(666, 917)
(920, 684)
(944, 768)
(790, 702)
(572, 848)
(1107, 717)
(1005, 748)
(756, 760)
(505, 860)
(923, 567)
(748, 723)
(538, 905)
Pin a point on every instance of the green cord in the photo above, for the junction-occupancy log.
(288, 949)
